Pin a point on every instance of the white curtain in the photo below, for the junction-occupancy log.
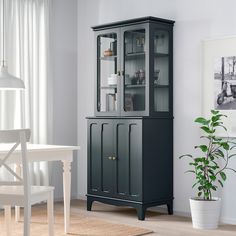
(27, 55)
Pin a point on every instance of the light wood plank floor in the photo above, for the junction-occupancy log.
(160, 223)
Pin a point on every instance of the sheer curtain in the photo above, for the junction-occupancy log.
(27, 55)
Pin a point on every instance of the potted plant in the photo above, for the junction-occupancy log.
(209, 169)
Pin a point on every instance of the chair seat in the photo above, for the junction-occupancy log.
(25, 195)
(16, 194)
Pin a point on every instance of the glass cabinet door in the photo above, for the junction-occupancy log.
(161, 70)
(107, 72)
(134, 70)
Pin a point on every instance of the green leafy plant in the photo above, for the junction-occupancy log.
(211, 165)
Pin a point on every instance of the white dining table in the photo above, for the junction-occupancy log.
(42, 152)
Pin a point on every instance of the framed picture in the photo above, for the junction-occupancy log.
(219, 80)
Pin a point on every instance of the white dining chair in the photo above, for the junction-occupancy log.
(20, 192)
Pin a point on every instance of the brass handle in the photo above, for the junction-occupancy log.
(114, 158)
(110, 158)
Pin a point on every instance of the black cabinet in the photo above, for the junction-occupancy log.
(130, 140)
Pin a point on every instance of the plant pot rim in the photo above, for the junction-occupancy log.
(199, 199)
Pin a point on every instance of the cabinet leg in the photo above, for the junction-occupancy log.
(89, 204)
(141, 210)
(170, 208)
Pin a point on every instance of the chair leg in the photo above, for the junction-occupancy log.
(50, 214)
(27, 219)
(7, 210)
(18, 170)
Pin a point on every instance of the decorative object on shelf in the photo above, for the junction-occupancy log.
(219, 79)
(161, 42)
(139, 43)
(156, 76)
(129, 106)
(209, 169)
(136, 77)
(111, 103)
(139, 77)
(108, 53)
(7, 81)
(128, 45)
(112, 80)
(142, 76)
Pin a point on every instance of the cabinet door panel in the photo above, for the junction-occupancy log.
(135, 159)
(94, 156)
(108, 72)
(107, 153)
(129, 165)
(122, 168)
(135, 70)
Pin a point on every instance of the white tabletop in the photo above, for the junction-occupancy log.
(38, 147)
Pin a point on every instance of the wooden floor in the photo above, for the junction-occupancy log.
(160, 223)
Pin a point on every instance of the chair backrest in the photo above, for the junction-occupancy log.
(13, 136)
(17, 137)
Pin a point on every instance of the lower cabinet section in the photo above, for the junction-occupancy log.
(130, 162)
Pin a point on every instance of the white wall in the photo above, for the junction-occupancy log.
(87, 16)
(195, 20)
(64, 72)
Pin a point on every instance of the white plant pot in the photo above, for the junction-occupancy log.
(205, 214)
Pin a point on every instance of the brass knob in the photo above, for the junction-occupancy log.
(113, 158)
(110, 158)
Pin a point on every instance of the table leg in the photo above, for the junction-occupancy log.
(7, 212)
(17, 208)
(67, 193)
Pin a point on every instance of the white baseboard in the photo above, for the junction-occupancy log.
(175, 212)
(182, 213)
(225, 220)
(60, 199)
(81, 197)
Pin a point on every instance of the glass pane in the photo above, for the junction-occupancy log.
(134, 70)
(107, 72)
(161, 41)
(161, 70)
(161, 99)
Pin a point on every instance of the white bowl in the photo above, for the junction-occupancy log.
(112, 80)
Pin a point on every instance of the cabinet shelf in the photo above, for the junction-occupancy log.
(109, 87)
(157, 54)
(108, 58)
(132, 86)
(142, 54)
(135, 86)
(134, 55)
(161, 86)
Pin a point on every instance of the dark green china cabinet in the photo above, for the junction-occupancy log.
(130, 139)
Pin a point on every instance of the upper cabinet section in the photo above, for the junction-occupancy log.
(134, 68)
